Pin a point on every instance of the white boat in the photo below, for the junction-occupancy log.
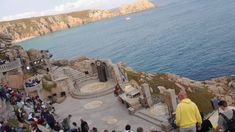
(128, 18)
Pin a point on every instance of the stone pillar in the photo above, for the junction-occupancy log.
(147, 95)
(170, 100)
(117, 73)
(39, 94)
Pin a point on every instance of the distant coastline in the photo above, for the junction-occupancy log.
(28, 28)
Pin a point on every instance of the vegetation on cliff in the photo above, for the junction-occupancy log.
(37, 26)
(47, 83)
(200, 95)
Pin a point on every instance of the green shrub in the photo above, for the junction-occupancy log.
(48, 85)
(2, 56)
(47, 77)
(202, 97)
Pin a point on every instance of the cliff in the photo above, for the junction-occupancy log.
(136, 7)
(31, 27)
(201, 92)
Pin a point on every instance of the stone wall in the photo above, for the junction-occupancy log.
(15, 81)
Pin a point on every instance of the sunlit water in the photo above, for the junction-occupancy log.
(192, 38)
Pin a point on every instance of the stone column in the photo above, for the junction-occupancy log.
(147, 95)
(170, 100)
(117, 74)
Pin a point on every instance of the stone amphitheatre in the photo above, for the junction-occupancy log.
(106, 95)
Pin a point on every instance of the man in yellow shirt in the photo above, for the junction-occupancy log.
(187, 114)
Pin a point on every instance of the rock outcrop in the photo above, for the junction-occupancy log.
(23, 29)
(28, 28)
(136, 7)
(5, 40)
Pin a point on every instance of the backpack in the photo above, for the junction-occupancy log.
(230, 122)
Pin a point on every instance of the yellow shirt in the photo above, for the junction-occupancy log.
(187, 114)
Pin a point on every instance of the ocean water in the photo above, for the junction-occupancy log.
(191, 38)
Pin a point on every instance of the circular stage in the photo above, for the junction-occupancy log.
(95, 87)
(93, 104)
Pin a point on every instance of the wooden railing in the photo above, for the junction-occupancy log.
(10, 66)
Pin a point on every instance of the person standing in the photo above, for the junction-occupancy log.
(140, 129)
(128, 128)
(187, 114)
(226, 121)
(66, 123)
(84, 126)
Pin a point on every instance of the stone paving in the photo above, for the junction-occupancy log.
(105, 112)
(96, 87)
(6, 111)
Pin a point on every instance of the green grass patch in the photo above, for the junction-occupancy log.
(156, 80)
(47, 77)
(48, 85)
(202, 97)
(2, 56)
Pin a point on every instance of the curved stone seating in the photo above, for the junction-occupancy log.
(10, 66)
(78, 95)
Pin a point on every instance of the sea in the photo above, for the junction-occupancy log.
(190, 38)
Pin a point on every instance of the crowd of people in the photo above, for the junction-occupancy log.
(32, 82)
(189, 119)
(3, 62)
(40, 115)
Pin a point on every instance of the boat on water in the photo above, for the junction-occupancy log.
(128, 18)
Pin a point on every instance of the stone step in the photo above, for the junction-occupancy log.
(148, 119)
(159, 119)
(93, 95)
(7, 112)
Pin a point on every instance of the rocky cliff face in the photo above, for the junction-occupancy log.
(26, 28)
(31, 27)
(136, 7)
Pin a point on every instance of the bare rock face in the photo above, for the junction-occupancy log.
(138, 6)
(61, 63)
(5, 40)
(232, 84)
(222, 87)
(27, 28)
(34, 54)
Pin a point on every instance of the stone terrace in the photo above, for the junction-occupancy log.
(105, 112)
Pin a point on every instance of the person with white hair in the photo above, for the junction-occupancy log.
(187, 114)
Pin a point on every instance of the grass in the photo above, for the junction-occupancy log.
(201, 96)
(47, 83)
(2, 56)
(157, 80)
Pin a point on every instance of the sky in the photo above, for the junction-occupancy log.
(15, 9)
